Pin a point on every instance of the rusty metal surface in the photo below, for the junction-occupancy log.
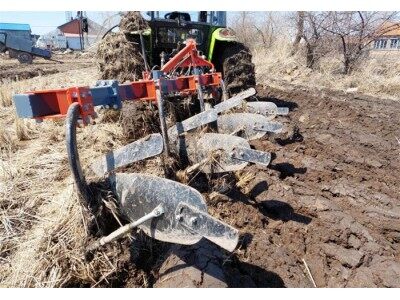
(247, 125)
(146, 147)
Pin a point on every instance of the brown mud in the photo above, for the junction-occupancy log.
(328, 203)
(330, 197)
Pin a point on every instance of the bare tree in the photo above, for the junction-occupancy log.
(300, 16)
(256, 28)
(266, 27)
(356, 30)
(313, 35)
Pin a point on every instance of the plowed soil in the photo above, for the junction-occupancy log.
(325, 213)
(330, 199)
(12, 70)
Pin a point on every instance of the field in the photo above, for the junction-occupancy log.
(326, 212)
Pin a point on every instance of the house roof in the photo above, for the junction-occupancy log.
(67, 23)
(15, 26)
(72, 27)
(389, 29)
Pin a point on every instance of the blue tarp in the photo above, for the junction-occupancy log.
(14, 26)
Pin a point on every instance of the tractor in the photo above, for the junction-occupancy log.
(165, 33)
(166, 61)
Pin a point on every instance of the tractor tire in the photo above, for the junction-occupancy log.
(3, 47)
(25, 58)
(12, 53)
(237, 69)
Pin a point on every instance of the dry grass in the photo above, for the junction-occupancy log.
(377, 75)
(42, 232)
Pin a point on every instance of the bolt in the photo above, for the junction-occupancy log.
(107, 106)
(193, 221)
(74, 95)
(83, 95)
(115, 106)
(240, 154)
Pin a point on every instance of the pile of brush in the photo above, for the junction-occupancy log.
(119, 53)
(133, 21)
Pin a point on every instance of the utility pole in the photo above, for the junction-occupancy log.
(80, 29)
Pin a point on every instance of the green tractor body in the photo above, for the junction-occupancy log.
(165, 33)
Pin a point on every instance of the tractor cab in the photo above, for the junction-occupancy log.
(170, 30)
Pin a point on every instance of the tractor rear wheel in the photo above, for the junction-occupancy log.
(237, 69)
(25, 58)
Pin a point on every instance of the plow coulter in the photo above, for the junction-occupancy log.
(212, 141)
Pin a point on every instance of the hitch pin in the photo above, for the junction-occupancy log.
(158, 211)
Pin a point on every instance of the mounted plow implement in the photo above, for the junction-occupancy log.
(215, 141)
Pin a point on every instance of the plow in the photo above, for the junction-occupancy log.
(215, 140)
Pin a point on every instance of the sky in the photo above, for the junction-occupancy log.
(44, 22)
(40, 22)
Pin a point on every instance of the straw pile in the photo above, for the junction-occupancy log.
(119, 53)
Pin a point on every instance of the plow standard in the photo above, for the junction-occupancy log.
(215, 140)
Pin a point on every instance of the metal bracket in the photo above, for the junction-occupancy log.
(157, 212)
(146, 147)
(163, 122)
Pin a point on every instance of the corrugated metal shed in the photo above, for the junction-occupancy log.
(15, 26)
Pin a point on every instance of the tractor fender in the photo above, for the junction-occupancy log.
(225, 35)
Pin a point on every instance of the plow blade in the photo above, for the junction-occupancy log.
(146, 147)
(234, 101)
(250, 155)
(267, 109)
(184, 220)
(235, 155)
(201, 223)
(247, 125)
(196, 121)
